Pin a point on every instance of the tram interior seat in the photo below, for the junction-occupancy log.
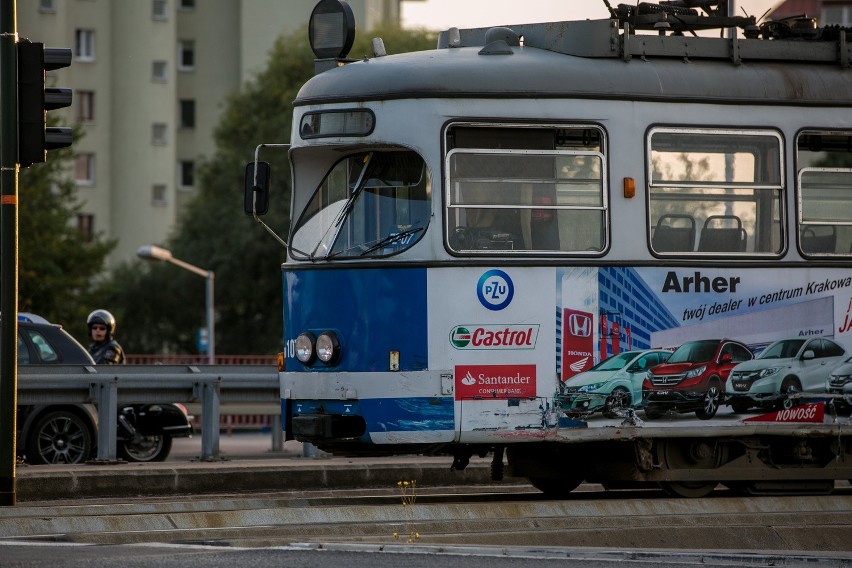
(723, 233)
(819, 239)
(674, 233)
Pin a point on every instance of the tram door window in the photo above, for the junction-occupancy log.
(525, 189)
(714, 191)
(824, 162)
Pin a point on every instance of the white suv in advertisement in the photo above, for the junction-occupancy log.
(784, 368)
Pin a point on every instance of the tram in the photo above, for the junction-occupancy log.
(476, 227)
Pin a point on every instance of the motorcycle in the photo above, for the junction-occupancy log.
(145, 431)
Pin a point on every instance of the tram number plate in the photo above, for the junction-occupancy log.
(740, 385)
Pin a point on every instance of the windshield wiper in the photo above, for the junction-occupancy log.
(392, 239)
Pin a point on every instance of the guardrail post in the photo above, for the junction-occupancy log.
(210, 419)
(106, 397)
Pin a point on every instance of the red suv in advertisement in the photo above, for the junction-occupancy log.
(693, 379)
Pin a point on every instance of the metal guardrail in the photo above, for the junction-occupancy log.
(107, 386)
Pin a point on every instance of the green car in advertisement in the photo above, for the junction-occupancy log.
(613, 383)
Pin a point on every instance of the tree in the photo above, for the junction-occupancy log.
(162, 305)
(57, 263)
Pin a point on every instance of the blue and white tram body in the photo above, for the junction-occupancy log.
(475, 224)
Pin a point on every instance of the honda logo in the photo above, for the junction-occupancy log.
(580, 325)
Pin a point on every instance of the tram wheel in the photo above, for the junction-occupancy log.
(556, 487)
(690, 454)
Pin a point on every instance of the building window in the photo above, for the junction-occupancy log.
(47, 6)
(86, 226)
(85, 106)
(158, 133)
(84, 45)
(187, 4)
(158, 195)
(834, 15)
(159, 10)
(84, 169)
(159, 71)
(187, 173)
(186, 55)
(187, 113)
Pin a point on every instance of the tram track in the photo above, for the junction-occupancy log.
(481, 516)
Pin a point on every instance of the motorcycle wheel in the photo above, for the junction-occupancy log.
(145, 448)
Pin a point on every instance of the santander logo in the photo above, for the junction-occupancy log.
(495, 381)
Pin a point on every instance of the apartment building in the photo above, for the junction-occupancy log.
(149, 79)
(828, 12)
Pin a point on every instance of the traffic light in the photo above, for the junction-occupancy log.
(34, 137)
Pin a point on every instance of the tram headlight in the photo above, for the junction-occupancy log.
(305, 348)
(328, 347)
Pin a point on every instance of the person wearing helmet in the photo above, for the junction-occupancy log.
(104, 349)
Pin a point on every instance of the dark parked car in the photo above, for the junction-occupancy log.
(693, 379)
(67, 433)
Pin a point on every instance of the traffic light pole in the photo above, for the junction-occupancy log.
(8, 249)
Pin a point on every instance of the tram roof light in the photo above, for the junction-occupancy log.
(331, 29)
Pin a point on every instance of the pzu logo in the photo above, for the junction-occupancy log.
(495, 290)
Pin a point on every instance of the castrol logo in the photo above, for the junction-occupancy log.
(812, 413)
(484, 337)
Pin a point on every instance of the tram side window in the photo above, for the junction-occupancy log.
(715, 192)
(525, 190)
(824, 161)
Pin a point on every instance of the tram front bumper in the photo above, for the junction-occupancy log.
(313, 427)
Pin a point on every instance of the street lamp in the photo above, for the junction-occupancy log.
(151, 252)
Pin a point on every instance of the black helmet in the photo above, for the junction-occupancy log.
(102, 317)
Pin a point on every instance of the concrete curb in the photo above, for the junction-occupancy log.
(43, 483)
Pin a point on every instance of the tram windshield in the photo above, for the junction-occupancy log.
(370, 204)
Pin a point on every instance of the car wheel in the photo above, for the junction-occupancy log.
(60, 436)
(145, 448)
(711, 401)
(617, 400)
(789, 387)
